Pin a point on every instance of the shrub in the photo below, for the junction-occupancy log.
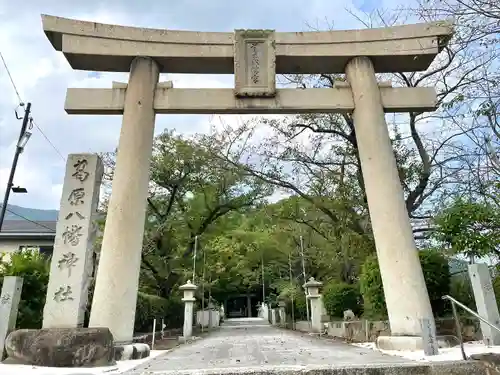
(34, 269)
(291, 294)
(437, 278)
(150, 307)
(339, 297)
(299, 304)
(370, 282)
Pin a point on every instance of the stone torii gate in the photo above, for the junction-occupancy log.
(255, 57)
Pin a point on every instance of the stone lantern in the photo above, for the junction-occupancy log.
(312, 293)
(312, 287)
(188, 289)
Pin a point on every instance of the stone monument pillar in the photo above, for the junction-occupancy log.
(117, 279)
(486, 302)
(312, 288)
(188, 300)
(9, 304)
(404, 285)
(72, 259)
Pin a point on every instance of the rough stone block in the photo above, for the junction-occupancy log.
(490, 360)
(254, 63)
(61, 347)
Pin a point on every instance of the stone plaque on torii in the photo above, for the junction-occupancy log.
(255, 57)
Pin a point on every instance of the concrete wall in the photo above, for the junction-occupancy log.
(361, 330)
(366, 331)
(302, 326)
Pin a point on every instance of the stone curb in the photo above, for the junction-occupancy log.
(443, 368)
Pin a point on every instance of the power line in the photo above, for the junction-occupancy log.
(10, 77)
(31, 221)
(48, 140)
(21, 101)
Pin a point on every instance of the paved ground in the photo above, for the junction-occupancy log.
(251, 344)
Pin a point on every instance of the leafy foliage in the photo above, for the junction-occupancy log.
(150, 307)
(372, 290)
(469, 227)
(437, 278)
(34, 269)
(339, 297)
(461, 290)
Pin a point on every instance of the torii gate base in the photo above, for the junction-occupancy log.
(255, 57)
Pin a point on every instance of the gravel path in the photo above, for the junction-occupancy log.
(252, 344)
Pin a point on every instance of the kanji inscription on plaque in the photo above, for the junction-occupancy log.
(254, 63)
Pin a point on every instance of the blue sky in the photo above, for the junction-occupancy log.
(42, 75)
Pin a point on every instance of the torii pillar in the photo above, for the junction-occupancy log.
(114, 300)
(405, 290)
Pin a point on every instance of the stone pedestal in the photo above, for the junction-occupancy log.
(404, 285)
(312, 289)
(274, 316)
(486, 302)
(188, 300)
(72, 260)
(282, 312)
(115, 294)
(9, 304)
(264, 311)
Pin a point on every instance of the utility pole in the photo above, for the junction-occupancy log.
(203, 293)
(19, 150)
(263, 284)
(291, 289)
(304, 272)
(194, 257)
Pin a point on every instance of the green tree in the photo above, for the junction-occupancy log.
(191, 191)
(339, 297)
(469, 227)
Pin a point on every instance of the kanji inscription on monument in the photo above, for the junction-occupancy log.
(254, 63)
(71, 267)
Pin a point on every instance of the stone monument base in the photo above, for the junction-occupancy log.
(131, 351)
(412, 343)
(61, 347)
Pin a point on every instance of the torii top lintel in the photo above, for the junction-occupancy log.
(102, 47)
